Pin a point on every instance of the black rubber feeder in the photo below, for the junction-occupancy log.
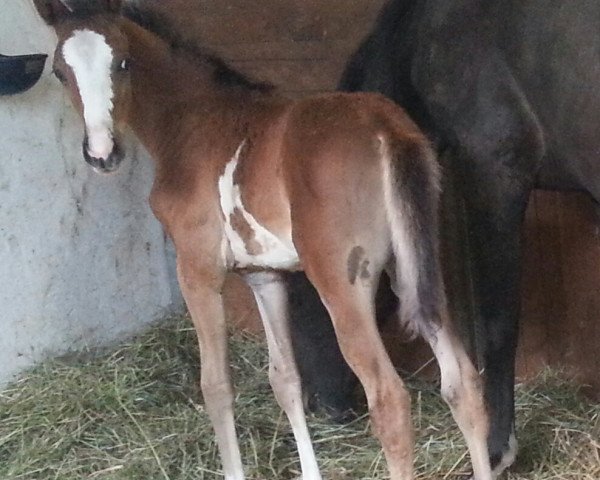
(20, 73)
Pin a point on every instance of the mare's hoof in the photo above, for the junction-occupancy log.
(339, 412)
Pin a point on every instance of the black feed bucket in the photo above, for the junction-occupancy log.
(20, 73)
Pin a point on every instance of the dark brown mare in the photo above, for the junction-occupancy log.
(338, 185)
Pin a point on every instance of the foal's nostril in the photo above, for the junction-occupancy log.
(103, 164)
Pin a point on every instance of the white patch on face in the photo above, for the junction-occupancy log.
(275, 252)
(90, 58)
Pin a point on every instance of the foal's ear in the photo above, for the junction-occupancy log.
(52, 11)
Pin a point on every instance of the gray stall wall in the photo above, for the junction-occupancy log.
(82, 260)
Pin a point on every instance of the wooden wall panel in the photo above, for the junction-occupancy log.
(561, 287)
(299, 45)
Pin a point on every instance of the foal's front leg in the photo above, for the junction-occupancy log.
(203, 298)
(271, 298)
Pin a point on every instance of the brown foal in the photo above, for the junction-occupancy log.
(341, 186)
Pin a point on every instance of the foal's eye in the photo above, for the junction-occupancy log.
(124, 66)
(60, 76)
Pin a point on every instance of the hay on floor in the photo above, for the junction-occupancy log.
(136, 413)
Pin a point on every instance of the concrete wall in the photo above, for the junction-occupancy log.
(82, 260)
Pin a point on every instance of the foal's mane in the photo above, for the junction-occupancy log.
(163, 27)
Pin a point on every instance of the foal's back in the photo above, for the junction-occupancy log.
(325, 148)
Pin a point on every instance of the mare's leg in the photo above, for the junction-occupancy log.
(271, 298)
(203, 298)
(495, 218)
(327, 380)
(499, 146)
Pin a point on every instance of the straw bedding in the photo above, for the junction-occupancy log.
(135, 412)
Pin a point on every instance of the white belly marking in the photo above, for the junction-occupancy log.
(269, 250)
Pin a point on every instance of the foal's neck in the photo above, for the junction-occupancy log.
(174, 91)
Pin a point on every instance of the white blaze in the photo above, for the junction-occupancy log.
(90, 58)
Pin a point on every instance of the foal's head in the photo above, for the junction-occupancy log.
(92, 62)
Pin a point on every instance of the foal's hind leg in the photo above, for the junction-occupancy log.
(461, 383)
(271, 298)
(462, 391)
(350, 304)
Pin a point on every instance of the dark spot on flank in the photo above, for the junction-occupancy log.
(356, 263)
(364, 270)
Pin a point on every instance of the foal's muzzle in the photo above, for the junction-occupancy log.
(104, 165)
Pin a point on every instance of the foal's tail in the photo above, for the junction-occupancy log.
(411, 179)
